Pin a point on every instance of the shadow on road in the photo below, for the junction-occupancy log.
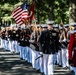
(11, 64)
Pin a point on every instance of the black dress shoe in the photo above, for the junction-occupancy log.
(21, 58)
(71, 71)
(60, 65)
(42, 73)
(38, 70)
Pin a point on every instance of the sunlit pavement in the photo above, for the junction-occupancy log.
(11, 64)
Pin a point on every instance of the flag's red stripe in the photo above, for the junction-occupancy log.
(19, 14)
(17, 9)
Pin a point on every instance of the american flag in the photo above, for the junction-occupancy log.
(17, 13)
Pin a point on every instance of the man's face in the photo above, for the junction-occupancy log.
(50, 26)
(56, 29)
(66, 28)
(72, 27)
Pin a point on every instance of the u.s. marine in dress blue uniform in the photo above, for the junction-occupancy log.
(49, 43)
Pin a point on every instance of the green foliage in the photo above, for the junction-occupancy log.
(42, 9)
(61, 10)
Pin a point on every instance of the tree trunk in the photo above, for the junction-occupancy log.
(72, 11)
(51, 14)
(51, 8)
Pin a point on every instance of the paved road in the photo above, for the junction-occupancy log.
(11, 64)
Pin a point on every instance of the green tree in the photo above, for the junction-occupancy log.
(61, 11)
(57, 10)
(6, 8)
(41, 9)
(72, 11)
